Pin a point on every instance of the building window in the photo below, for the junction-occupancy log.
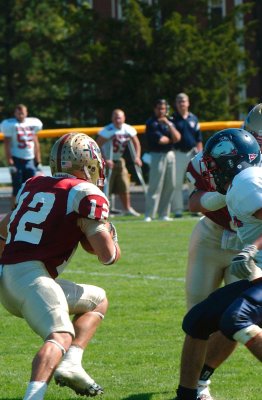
(89, 2)
(216, 10)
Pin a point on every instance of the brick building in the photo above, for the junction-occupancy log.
(217, 9)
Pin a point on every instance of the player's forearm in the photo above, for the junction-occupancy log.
(194, 203)
(8, 154)
(137, 150)
(258, 243)
(106, 248)
(37, 152)
(175, 134)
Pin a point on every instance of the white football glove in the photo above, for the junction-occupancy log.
(243, 265)
(113, 232)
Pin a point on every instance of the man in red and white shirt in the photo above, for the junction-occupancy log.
(113, 140)
(22, 147)
(53, 215)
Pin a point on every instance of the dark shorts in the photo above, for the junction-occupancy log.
(204, 318)
(245, 311)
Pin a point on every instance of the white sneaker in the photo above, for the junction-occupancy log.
(147, 219)
(133, 212)
(76, 378)
(203, 392)
(166, 218)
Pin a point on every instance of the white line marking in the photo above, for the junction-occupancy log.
(128, 276)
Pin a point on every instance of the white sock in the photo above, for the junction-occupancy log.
(74, 355)
(35, 390)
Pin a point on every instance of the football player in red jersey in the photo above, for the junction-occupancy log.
(213, 244)
(53, 215)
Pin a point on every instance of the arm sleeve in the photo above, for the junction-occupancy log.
(90, 227)
(6, 128)
(245, 195)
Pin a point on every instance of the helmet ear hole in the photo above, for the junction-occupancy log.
(79, 155)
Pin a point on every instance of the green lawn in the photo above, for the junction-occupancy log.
(136, 352)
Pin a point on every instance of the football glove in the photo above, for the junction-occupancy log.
(243, 265)
(113, 232)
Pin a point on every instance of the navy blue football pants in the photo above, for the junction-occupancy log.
(228, 309)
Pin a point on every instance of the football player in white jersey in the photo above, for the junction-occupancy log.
(232, 158)
(113, 140)
(53, 215)
(22, 147)
(213, 244)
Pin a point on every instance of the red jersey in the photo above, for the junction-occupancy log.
(221, 216)
(43, 226)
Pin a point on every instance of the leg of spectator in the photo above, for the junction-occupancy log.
(168, 186)
(156, 176)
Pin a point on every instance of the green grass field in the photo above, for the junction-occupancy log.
(135, 354)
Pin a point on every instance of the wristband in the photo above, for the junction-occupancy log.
(112, 259)
(213, 201)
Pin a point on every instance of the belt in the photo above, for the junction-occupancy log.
(22, 160)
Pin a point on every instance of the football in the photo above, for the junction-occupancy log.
(86, 245)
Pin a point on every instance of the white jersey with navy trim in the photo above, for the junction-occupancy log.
(244, 198)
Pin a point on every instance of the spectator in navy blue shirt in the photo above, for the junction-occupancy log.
(190, 144)
(161, 136)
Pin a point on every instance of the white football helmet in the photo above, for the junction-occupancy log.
(253, 122)
(76, 153)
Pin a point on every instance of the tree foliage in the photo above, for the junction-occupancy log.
(72, 67)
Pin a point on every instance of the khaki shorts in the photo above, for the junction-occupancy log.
(28, 291)
(119, 181)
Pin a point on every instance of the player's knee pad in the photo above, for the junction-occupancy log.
(241, 320)
(99, 314)
(91, 297)
(57, 344)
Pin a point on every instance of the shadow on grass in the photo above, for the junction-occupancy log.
(145, 396)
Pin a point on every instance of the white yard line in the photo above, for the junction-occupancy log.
(128, 276)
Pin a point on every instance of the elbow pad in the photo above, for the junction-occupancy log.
(213, 201)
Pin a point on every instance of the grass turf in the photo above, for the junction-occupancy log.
(135, 353)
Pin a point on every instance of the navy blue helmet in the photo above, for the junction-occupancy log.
(227, 153)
